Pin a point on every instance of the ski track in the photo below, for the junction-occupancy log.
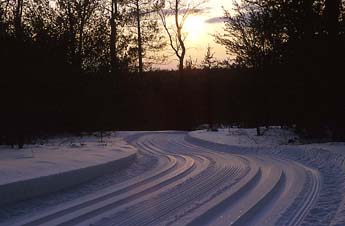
(199, 183)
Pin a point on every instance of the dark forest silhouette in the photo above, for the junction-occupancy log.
(79, 65)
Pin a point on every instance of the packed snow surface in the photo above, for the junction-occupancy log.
(58, 164)
(57, 156)
(229, 177)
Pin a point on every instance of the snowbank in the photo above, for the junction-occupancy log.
(327, 158)
(247, 137)
(61, 163)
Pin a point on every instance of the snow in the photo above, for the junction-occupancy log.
(326, 158)
(195, 178)
(58, 163)
(271, 137)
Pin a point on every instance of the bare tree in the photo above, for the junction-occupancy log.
(180, 10)
(113, 35)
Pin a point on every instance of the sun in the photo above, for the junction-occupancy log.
(194, 27)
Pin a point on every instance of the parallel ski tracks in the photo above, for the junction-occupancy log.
(174, 169)
(191, 185)
(176, 200)
(309, 199)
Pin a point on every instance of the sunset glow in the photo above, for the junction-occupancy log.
(194, 28)
(199, 30)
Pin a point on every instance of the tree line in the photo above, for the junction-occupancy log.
(101, 35)
(76, 65)
(297, 50)
(96, 35)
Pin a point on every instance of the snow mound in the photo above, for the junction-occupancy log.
(271, 137)
(60, 163)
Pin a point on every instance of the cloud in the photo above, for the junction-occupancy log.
(194, 11)
(215, 20)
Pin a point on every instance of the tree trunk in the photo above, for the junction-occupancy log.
(332, 12)
(140, 48)
(179, 37)
(81, 34)
(113, 36)
(258, 131)
(72, 35)
(18, 19)
(181, 65)
(80, 47)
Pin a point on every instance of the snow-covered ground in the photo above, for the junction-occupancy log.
(229, 177)
(247, 137)
(57, 164)
(327, 158)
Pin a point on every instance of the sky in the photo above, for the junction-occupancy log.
(200, 29)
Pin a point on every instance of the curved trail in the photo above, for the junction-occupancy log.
(194, 185)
